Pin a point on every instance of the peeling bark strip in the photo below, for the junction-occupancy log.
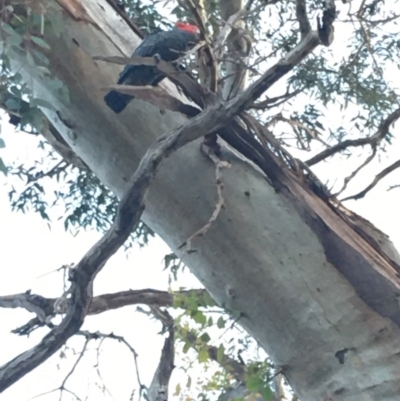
(76, 9)
(272, 249)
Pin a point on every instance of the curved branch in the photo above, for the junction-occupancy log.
(373, 140)
(378, 177)
(356, 171)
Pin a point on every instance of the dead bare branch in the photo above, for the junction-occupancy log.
(276, 101)
(44, 307)
(393, 187)
(373, 140)
(356, 171)
(158, 390)
(70, 373)
(301, 14)
(325, 27)
(225, 32)
(376, 180)
(210, 64)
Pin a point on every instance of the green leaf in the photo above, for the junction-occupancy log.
(30, 59)
(191, 304)
(34, 117)
(2, 143)
(55, 84)
(186, 347)
(268, 394)
(12, 104)
(41, 57)
(3, 167)
(14, 40)
(200, 317)
(17, 77)
(254, 383)
(208, 300)
(6, 61)
(220, 353)
(205, 338)
(15, 91)
(203, 355)
(177, 390)
(177, 301)
(221, 323)
(7, 28)
(44, 70)
(40, 42)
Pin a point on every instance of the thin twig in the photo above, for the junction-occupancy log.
(356, 171)
(376, 180)
(380, 134)
(276, 101)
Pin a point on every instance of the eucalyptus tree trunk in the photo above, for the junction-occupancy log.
(319, 294)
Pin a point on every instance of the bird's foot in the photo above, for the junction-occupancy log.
(210, 145)
(157, 58)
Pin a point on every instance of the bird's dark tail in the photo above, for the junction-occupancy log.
(117, 101)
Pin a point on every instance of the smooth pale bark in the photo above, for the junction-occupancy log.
(317, 296)
(236, 76)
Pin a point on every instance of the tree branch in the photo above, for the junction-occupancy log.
(158, 390)
(355, 172)
(378, 177)
(325, 27)
(374, 140)
(210, 64)
(44, 307)
(301, 14)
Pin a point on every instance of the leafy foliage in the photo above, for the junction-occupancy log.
(85, 203)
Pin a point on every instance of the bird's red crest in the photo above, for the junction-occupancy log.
(183, 26)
